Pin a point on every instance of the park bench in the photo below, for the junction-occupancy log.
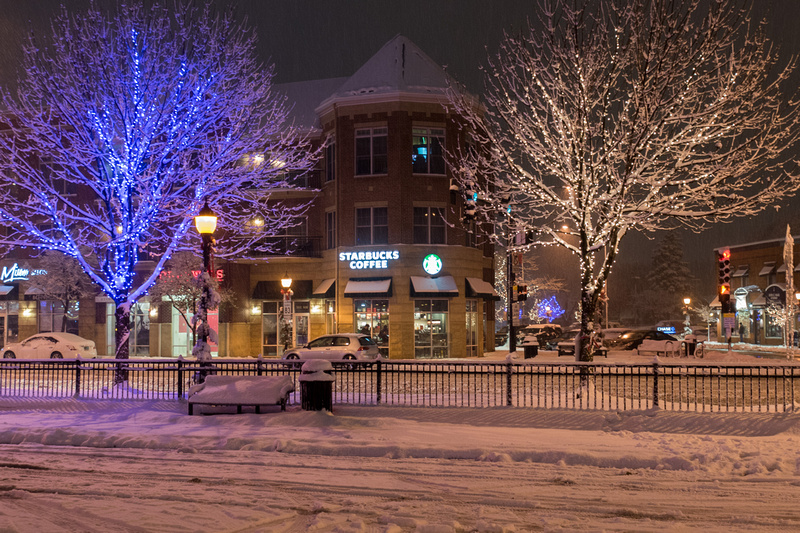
(665, 348)
(241, 391)
(568, 348)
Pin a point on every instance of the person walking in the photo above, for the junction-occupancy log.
(741, 331)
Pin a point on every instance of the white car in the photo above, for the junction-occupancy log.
(53, 345)
(337, 347)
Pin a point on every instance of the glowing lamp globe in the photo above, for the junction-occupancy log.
(206, 220)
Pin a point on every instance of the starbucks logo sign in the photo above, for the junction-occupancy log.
(432, 264)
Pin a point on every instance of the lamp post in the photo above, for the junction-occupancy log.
(286, 314)
(206, 223)
(687, 330)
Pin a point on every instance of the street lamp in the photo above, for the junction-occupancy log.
(206, 223)
(286, 315)
(687, 330)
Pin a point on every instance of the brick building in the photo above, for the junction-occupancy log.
(382, 249)
(758, 288)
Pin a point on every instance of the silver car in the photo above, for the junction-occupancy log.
(53, 345)
(337, 347)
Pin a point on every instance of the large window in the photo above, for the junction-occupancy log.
(372, 226)
(429, 225)
(372, 318)
(330, 161)
(371, 151)
(140, 329)
(472, 328)
(427, 156)
(269, 329)
(330, 229)
(51, 316)
(431, 329)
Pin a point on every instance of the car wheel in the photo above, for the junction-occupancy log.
(9, 355)
(294, 360)
(56, 355)
(350, 360)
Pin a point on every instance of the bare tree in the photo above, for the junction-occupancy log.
(143, 115)
(182, 287)
(609, 116)
(61, 280)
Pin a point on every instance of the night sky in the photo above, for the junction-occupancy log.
(312, 39)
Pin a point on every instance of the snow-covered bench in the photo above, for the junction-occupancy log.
(666, 348)
(568, 348)
(252, 391)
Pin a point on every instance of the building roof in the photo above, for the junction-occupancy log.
(304, 96)
(399, 68)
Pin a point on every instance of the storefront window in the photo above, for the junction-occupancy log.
(330, 316)
(774, 327)
(372, 318)
(269, 329)
(431, 329)
(472, 328)
(52, 316)
(140, 329)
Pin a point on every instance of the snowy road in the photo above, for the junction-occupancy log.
(91, 467)
(63, 489)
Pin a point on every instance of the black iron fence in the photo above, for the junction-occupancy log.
(674, 387)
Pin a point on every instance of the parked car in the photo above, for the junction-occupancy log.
(336, 347)
(631, 339)
(542, 332)
(53, 345)
(501, 336)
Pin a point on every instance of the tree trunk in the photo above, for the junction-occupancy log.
(122, 332)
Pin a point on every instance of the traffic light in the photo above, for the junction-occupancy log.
(522, 293)
(470, 201)
(724, 263)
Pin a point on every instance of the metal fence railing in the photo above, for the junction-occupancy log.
(604, 386)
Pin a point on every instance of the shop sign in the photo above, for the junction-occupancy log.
(432, 264)
(219, 274)
(17, 273)
(366, 260)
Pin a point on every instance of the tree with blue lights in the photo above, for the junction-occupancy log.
(124, 124)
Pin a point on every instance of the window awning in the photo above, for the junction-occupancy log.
(5, 289)
(760, 301)
(433, 287)
(357, 288)
(781, 269)
(767, 269)
(477, 288)
(271, 290)
(715, 303)
(325, 289)
(741, 272)
(34, 293)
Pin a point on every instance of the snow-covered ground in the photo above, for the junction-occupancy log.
(70, 465)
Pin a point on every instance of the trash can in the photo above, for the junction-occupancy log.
(531, 350)
(689, 343)
(316, 385)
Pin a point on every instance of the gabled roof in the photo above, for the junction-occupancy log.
(399, 68)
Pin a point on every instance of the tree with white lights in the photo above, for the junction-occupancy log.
(608, 116)
(123, 125)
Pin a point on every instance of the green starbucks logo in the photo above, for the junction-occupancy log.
(432, 264)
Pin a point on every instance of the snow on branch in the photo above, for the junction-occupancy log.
(613, 115)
